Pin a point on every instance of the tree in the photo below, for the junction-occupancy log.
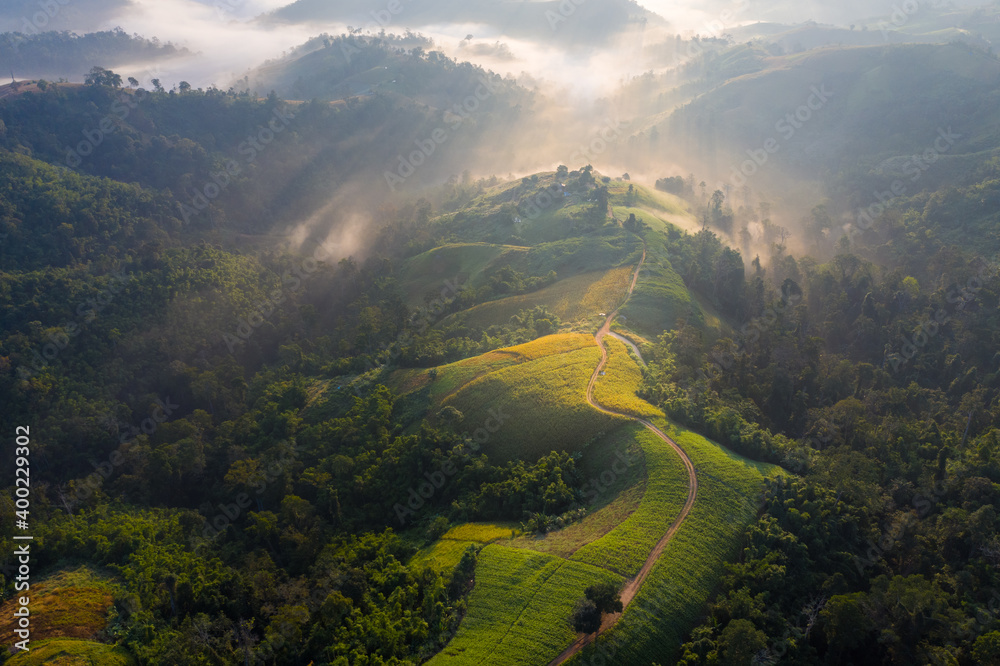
(133, 82)
(157, 86)
(184, 86)
(740, 641)
(586, 617)
(99, 76)
(986, 649)
(606, 597)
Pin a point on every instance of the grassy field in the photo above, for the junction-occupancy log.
(543, 400)
(682, 581)
(616, 390)
(576, 298)
(626, 547)
(446, 379)
(657, 219)
(519, 609)
(660, 298)
(463, 264)
(539, 388)
(71, 652)
(68, 604)
(444, 554)
(600, 249)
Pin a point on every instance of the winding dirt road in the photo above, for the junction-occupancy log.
(632, 586)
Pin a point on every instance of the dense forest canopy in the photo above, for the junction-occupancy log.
(282, 413)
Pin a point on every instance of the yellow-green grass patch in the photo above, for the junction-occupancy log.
(660, 300)
(665, 205)
(442, 556)
(68, 604)
(542, 404)
(519, 610)
(72, 652)
(447, 379)
(481, 532)
(616, 390)
(625, 548)
(681, 582)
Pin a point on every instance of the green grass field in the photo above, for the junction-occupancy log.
(72, 652)
(538, 387)
(616, 390)
(519, 609)
(626, 547)
(544, 401)
(683, 579)
(660, 298)
(462, 264)
(447, 379)
(444, 554)
(579, 297)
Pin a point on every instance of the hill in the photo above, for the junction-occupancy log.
(69, 604)
(67, 55)
(543, 383)
(851, 114)
(596, 21)
(337, 67)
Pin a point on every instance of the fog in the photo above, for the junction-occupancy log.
(586, 111)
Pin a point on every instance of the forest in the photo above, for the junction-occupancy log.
(259, 440)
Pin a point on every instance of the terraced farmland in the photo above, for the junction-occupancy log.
(617, 388)
(575, 298)
(519, 609)
(696, 500)
(445, 553)
(625, 548)
(542, 400)
(682, 580)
